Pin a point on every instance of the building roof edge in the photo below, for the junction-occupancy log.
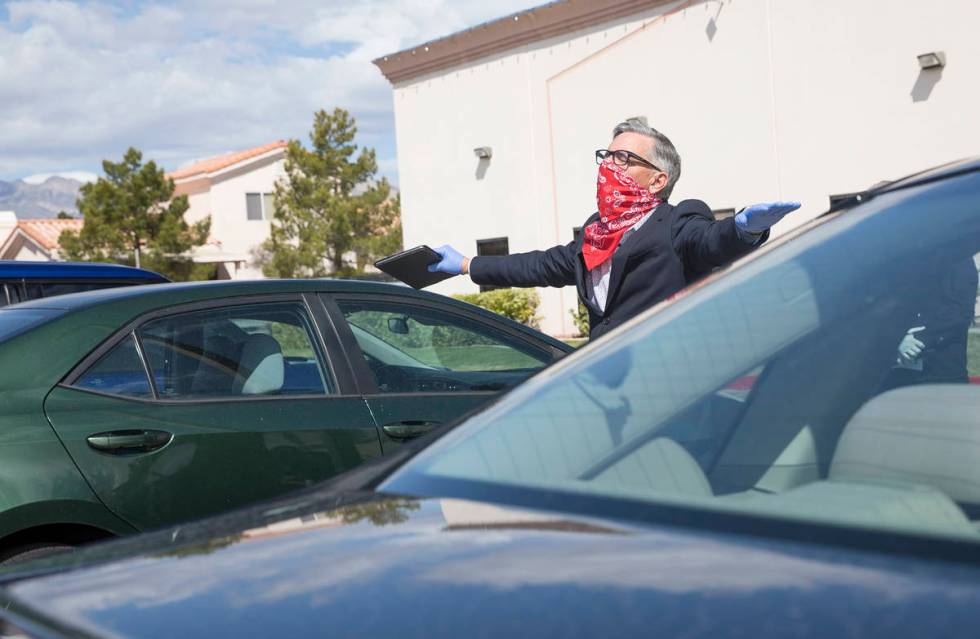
(511, 31)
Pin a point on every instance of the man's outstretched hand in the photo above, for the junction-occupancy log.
(759, 217)
(451, 262)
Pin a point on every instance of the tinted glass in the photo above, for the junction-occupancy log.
(411, 349)
(37, 290)
(495, 246)
(10, 294)
(63, 288)
(253, 206)
(118, 372)
(268, 205)
(833, 379)
(261, 349)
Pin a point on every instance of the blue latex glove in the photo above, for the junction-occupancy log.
(451, 262)
(757, 218)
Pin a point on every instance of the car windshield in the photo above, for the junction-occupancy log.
(13, 322)
(831, 379)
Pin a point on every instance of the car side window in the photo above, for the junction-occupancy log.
(243, 351)
(118, 372)
(11, 294)
(421, 349)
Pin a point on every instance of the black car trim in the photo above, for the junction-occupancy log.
(863, 197)
(225, 399)
(333, 350)
(330, 311)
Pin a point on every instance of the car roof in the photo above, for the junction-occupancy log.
(141, 299)
(75, 270)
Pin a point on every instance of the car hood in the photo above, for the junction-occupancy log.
(443, 567)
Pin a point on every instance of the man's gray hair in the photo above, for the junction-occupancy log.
(664, 156)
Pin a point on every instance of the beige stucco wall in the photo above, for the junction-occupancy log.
(229, 223)
(787, 99)
(223, 198)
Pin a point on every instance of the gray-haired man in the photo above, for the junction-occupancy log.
(637, 249)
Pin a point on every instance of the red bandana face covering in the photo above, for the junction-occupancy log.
(622, 203)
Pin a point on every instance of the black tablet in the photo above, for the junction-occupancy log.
(412, 266)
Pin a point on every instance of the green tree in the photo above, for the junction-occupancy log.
(332, 215)
(131, 217)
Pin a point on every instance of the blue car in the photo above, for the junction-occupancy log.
(21, 281)
(789, 449)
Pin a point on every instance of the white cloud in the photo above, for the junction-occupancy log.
(82, 81)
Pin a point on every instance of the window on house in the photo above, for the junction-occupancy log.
(493, 246)
(253, 206)
(259, 206)
(721, 214)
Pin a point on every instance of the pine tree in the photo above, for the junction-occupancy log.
(332, 216)
(131, 217)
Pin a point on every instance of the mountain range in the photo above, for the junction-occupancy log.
(44, 200)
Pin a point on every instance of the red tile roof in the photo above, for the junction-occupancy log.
(47, 232)
(211, 165)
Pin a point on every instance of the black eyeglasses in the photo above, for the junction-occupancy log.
(623, 158)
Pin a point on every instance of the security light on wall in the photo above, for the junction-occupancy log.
(932, 60)
(483, 152)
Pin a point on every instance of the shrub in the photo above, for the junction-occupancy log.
(518, 304)
(580, 317)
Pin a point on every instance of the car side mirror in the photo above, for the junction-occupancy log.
(398, 325)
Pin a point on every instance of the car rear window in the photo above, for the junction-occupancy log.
(16, 321)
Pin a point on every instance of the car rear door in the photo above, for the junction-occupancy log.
(421, 363)
(203, 408)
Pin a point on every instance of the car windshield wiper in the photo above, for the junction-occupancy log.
(895, 185)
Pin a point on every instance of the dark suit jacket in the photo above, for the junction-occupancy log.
(677, 246)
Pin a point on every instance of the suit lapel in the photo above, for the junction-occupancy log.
(587, 289)
(621, 256)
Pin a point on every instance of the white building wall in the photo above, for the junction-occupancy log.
(764, 99)
(199, 202)
(224, 201)
(229, 222)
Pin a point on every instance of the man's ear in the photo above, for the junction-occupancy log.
(658, 183)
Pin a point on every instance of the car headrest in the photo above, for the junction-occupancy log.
(262, 368)
(928, 434)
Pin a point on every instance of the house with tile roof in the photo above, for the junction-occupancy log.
(236, 191)
(35, 240)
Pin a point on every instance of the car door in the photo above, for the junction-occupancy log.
(204, 408)
(421, 363)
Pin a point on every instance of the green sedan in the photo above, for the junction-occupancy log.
(128, 409)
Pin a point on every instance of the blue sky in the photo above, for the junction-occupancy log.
(82, 81)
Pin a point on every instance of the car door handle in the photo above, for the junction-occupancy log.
(408, 428)
(129, 441)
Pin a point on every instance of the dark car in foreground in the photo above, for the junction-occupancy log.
(128, 409)
(22, 281)
(791, 449)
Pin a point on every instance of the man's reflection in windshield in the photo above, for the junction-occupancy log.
(602, 383)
